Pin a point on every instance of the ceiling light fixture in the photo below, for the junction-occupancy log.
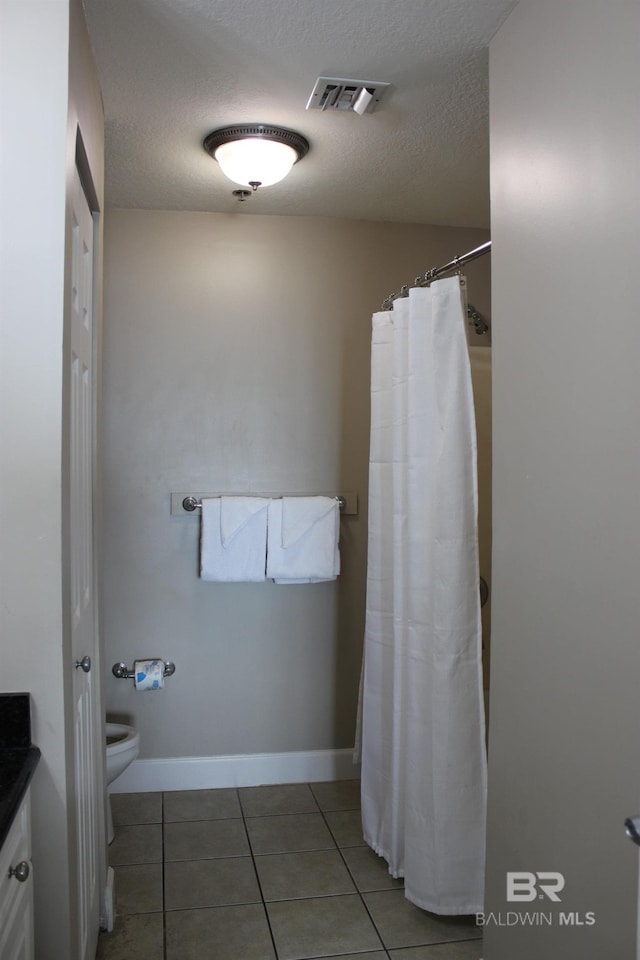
(256, 154)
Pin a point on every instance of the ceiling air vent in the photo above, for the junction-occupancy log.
(331, 93)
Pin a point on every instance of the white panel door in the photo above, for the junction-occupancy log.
(84, 641)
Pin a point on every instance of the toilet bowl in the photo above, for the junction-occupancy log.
(123, 745)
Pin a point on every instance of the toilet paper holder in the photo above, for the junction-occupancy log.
(122, 672)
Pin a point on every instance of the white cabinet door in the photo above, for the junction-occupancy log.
(16, 890)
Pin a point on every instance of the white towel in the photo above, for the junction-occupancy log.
(302, 539)
(233, 542)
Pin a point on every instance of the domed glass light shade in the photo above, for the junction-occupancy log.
(256, 155)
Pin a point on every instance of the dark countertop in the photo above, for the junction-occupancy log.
(18, 756)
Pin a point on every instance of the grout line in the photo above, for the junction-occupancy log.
(164, 910)
(335, 842)
(359, 953)
(255, 868)
(355, 882)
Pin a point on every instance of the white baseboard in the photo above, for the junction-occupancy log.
(205, 773)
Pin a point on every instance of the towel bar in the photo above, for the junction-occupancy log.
(188, 503)
(122, 672)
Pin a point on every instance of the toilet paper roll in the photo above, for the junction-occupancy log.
(148, 674)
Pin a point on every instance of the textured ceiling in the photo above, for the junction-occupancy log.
(173, 70)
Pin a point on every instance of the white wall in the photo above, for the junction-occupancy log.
(48, 87)
(564, 769)
(237, 359)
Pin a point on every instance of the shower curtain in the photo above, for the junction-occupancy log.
(423, 736)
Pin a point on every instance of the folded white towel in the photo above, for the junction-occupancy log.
(302, 539)
(236, 513)
(233, 542)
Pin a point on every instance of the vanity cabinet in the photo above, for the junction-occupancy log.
(16, 888)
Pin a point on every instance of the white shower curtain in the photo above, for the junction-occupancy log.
(423, 734)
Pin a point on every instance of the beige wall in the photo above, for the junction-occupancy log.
(563, 743)
(49, 86)
(236, 359)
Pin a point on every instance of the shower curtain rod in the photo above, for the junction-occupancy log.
(437, 272)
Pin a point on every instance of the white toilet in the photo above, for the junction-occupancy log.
(123, 745)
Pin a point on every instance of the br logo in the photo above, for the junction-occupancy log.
(522, 885)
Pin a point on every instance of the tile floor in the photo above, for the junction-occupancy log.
(263, 873)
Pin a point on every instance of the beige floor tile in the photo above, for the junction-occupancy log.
(346, 827)
(210, 883)
(337, 795)
(278, 799)
(212, 894)
(223, 933)
(201, 805)
(369, 871)
(289, 834)
(328, 926)
(201, 839)
(139, 843)
(290, 876)
(128, 808)
(133, 937)
(138, 888)
(401, 924)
